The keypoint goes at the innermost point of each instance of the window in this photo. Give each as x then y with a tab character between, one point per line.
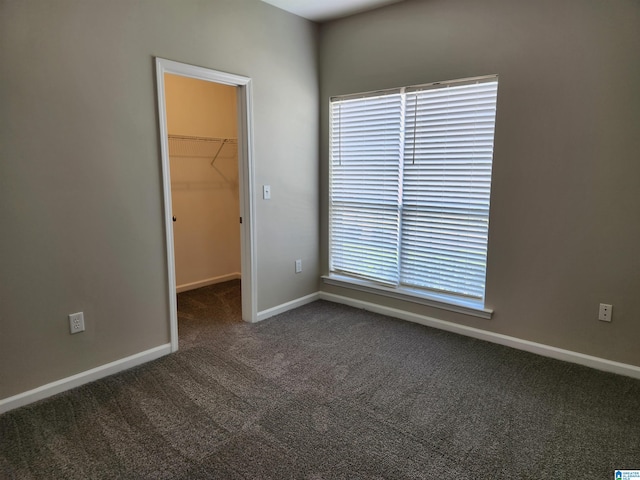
410	183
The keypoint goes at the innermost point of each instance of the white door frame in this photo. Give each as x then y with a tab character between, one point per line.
245	167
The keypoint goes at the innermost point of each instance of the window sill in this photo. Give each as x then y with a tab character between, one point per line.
431	299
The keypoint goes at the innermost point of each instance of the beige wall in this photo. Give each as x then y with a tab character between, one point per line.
205	198
564	226
80	171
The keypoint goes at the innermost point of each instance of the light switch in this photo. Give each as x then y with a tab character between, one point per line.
266	192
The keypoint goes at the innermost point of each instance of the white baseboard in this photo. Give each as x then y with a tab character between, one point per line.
208	281
68	383
82	378
517	343
270	312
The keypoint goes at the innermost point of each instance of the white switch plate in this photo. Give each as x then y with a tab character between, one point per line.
298	266
76	322
605	312
266	192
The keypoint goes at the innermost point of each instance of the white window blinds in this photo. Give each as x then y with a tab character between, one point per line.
447	181
410	186
366	143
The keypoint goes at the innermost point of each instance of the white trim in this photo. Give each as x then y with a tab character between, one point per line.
285	307
249	257
97	373
245	167
513	342
168	221
185	287
431	299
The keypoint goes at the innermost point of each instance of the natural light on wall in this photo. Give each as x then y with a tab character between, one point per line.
410	183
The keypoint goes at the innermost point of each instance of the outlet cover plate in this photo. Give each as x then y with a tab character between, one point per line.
76	322
605	312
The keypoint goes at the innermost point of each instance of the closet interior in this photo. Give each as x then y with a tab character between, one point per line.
203	154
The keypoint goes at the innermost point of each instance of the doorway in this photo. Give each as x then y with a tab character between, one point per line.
203	156
240	145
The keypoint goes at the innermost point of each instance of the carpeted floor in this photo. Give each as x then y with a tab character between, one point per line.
328	392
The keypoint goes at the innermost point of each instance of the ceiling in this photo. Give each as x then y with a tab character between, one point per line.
323	10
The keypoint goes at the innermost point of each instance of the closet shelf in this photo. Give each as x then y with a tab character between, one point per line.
201	147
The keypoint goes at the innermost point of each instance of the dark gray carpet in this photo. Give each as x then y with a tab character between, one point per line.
328	392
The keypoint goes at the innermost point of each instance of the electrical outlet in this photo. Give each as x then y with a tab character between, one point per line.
605	312
76	322
298	266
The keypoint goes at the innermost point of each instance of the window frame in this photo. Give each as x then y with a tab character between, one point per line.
445	300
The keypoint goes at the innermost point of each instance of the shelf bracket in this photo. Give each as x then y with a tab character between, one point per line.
222	143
